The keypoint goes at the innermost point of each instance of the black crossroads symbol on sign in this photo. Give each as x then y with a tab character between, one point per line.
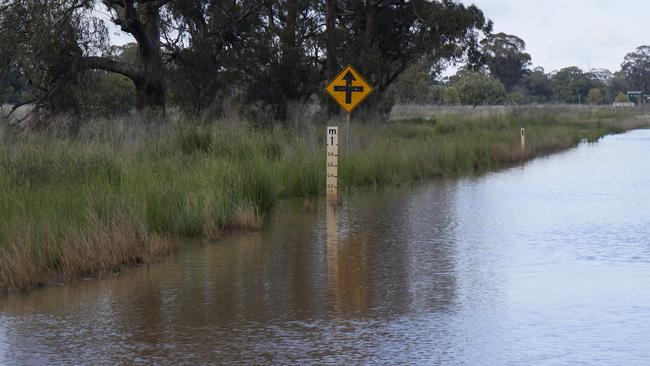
348	88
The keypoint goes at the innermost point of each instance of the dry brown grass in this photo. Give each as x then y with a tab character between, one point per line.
636	121
18	269
246	217
415	111
104	247
99	248
213	225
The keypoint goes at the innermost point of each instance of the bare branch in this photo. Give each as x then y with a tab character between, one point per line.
159	3
15	107
107	64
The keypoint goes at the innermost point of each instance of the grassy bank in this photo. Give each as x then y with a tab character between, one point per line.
123	190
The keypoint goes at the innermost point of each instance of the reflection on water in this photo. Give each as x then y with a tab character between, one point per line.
541	264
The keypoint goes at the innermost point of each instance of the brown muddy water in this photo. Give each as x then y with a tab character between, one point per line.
543	264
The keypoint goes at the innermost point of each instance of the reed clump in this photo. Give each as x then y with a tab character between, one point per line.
122	191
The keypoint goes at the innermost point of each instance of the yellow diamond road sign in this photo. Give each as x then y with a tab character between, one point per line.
348	89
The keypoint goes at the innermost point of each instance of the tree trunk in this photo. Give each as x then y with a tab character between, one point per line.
330	22
290	63
142	21
150	85
149	93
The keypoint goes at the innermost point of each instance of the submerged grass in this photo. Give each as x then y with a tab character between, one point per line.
118	195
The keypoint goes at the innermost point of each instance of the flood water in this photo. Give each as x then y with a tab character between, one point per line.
542	264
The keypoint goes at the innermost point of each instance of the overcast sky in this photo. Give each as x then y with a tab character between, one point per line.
559	33
584	33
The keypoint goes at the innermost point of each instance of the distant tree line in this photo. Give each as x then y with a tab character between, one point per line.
501	72
262	56
199	55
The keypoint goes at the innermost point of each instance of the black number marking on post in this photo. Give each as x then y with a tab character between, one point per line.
332	161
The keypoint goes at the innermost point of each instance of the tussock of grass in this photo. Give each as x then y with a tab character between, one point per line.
117	194
246	217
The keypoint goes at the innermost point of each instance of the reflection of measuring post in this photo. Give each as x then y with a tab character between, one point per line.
332	161
523	139
332	253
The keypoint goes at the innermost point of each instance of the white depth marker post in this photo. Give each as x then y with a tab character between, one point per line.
332	162
523	139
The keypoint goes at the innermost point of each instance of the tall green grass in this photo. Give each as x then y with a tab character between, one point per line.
121	193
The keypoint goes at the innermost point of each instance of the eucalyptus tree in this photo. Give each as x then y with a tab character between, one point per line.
570	85
600	74
599	79
209	44
538	85
384	37
55	41
286	63
478	89
619	83
45	40
265	52
506	58
636	67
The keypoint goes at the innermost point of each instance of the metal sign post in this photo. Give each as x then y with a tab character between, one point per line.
348	89
347	136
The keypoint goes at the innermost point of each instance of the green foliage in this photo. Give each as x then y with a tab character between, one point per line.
44	44
570	85
382	41
12	85
108	94
516	98
619	83
436	94
413	86
451	96
268	57
636	67
478	89
595	96
506	58
538	85
621	98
